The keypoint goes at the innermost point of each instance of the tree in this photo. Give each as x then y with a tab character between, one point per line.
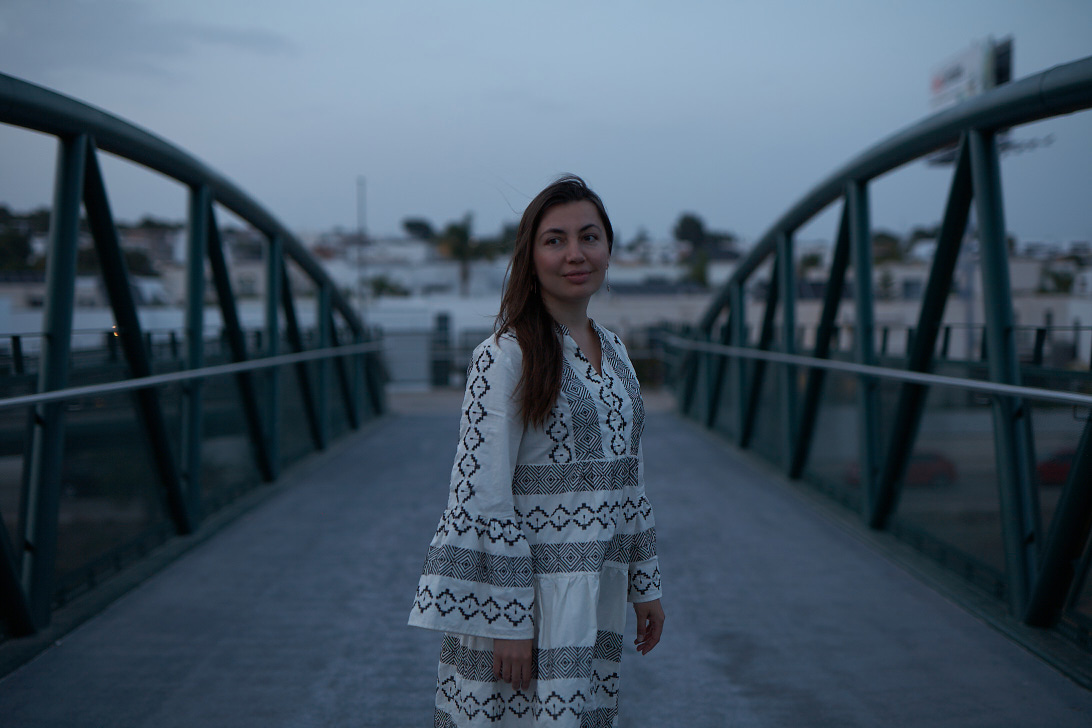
691	229
150	223
39	220
419	228
807	262
456	240
14	250
886	247
698	268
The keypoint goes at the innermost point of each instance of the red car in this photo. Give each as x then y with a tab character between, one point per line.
1055	469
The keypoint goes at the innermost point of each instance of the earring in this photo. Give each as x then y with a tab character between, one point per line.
608	286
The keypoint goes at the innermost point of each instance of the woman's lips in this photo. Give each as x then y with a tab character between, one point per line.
579	277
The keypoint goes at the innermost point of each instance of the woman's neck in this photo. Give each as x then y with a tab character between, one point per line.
574	318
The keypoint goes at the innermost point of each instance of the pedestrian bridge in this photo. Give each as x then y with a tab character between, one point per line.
294	614
224	523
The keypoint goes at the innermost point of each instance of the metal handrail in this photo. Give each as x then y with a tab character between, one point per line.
898	375
33	107
126	385
1059	90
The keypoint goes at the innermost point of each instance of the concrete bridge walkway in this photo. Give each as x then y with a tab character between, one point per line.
294	615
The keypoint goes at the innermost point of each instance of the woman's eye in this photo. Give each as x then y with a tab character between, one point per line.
590	238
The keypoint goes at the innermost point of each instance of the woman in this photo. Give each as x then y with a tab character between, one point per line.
547	532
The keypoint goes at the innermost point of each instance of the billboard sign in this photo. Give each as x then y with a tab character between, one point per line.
959	78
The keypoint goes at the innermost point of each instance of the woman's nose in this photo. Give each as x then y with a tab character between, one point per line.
573	252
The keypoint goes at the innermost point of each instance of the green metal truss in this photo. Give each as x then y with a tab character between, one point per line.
1043	566
27	560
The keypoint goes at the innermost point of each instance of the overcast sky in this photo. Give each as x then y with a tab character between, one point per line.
731	110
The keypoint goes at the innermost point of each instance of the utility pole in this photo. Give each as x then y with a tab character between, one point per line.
360	210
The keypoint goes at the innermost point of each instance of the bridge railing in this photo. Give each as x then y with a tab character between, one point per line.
107	451
986	464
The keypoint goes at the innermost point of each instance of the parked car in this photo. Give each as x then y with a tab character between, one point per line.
926	468
1055	469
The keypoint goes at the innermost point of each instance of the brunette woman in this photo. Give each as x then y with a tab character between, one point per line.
547	532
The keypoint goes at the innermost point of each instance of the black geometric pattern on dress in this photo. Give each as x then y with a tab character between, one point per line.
589	556
599	718
631	509
616	422
473	565
608	646
568	558
467	463
584	515
469	664
641	582
585	417
514	612
558	478
605	684
443	720
637	547
458	520
495	707
633	389
558	431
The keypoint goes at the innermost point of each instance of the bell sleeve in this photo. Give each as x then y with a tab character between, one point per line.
478	577
644	562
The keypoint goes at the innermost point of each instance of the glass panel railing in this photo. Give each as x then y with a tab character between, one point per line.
111	493
949	505
832	461
727	421
769	434
1058	428
228	464
1080	605
295	429
14	443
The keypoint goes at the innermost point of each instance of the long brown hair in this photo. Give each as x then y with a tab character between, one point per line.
522	310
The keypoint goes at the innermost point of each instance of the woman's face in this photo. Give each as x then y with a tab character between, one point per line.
571	253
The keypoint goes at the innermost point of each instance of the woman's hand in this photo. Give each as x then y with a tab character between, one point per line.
650	625
512	662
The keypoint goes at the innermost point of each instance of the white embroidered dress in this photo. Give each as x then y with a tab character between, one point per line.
547	535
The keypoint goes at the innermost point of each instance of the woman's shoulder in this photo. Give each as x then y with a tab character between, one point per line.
503	349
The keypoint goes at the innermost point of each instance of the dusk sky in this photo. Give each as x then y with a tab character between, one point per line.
731	110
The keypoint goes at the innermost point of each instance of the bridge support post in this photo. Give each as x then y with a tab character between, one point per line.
868	419
193	390
274	267
832	297
237	344
912	396
758	366
1011	418
719	366
303	375
787	372
115	277
738	332
322	384
42	487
